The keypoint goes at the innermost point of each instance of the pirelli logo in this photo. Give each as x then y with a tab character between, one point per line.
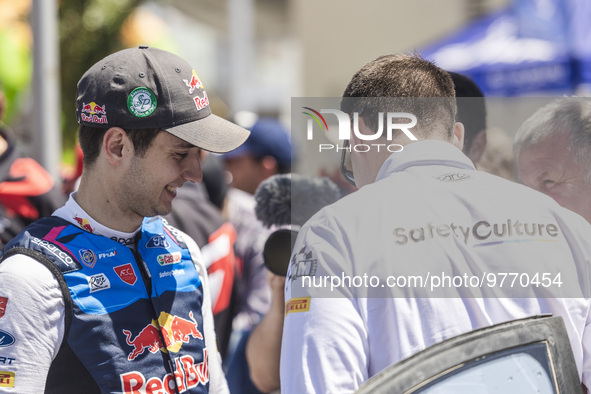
6	379
297	305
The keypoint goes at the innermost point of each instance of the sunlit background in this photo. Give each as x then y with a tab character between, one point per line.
255	55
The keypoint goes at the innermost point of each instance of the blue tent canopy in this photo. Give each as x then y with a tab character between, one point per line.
506	56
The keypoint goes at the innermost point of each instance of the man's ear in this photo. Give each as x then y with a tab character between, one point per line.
458	136
116	145
270	166
363	129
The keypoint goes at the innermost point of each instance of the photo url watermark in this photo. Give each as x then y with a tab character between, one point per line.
436	281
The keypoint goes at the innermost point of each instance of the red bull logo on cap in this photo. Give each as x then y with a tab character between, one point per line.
193	83
97	113
201	102
93	108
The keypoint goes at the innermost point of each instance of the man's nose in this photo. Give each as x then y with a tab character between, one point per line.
192	166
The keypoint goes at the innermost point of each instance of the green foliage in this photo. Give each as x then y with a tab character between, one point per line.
16	68
89	31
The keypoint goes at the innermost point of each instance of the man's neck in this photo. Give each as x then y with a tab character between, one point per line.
99	202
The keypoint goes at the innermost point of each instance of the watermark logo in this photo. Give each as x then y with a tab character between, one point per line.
317	117
395	121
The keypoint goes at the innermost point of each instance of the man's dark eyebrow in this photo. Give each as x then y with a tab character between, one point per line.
183	145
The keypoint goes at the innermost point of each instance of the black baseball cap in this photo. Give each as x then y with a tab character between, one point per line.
147	87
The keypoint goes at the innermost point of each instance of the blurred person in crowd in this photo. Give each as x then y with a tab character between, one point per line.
266	152
105	295
215	181
489	150
553	153
27	191
422	209
498	156
283	203
263	347
71	176
472	114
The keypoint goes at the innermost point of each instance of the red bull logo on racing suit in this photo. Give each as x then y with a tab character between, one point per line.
187	375
84	224
168	334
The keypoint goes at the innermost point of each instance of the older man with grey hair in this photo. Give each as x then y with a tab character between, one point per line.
553	153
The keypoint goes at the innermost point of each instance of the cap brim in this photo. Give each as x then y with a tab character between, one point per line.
211	133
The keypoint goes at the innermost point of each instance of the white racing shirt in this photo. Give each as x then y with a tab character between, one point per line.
431	250
32	307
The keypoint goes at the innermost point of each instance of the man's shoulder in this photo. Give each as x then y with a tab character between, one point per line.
39	228
467	193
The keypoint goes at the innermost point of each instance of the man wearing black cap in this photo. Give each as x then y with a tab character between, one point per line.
105	296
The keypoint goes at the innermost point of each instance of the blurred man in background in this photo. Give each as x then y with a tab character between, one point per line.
266	152
553	153
488	148
27	191
472	114
283	203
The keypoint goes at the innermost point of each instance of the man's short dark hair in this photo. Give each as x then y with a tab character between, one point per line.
91	141
471	107
419	86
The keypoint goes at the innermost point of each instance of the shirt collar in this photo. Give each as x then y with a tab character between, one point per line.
425	153
75	214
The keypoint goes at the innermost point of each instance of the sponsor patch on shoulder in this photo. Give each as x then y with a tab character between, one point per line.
126	273
88	257
6	339
302	263
158	241
7	360
98	282
7	379
170	258
301	304
452	177
3	302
